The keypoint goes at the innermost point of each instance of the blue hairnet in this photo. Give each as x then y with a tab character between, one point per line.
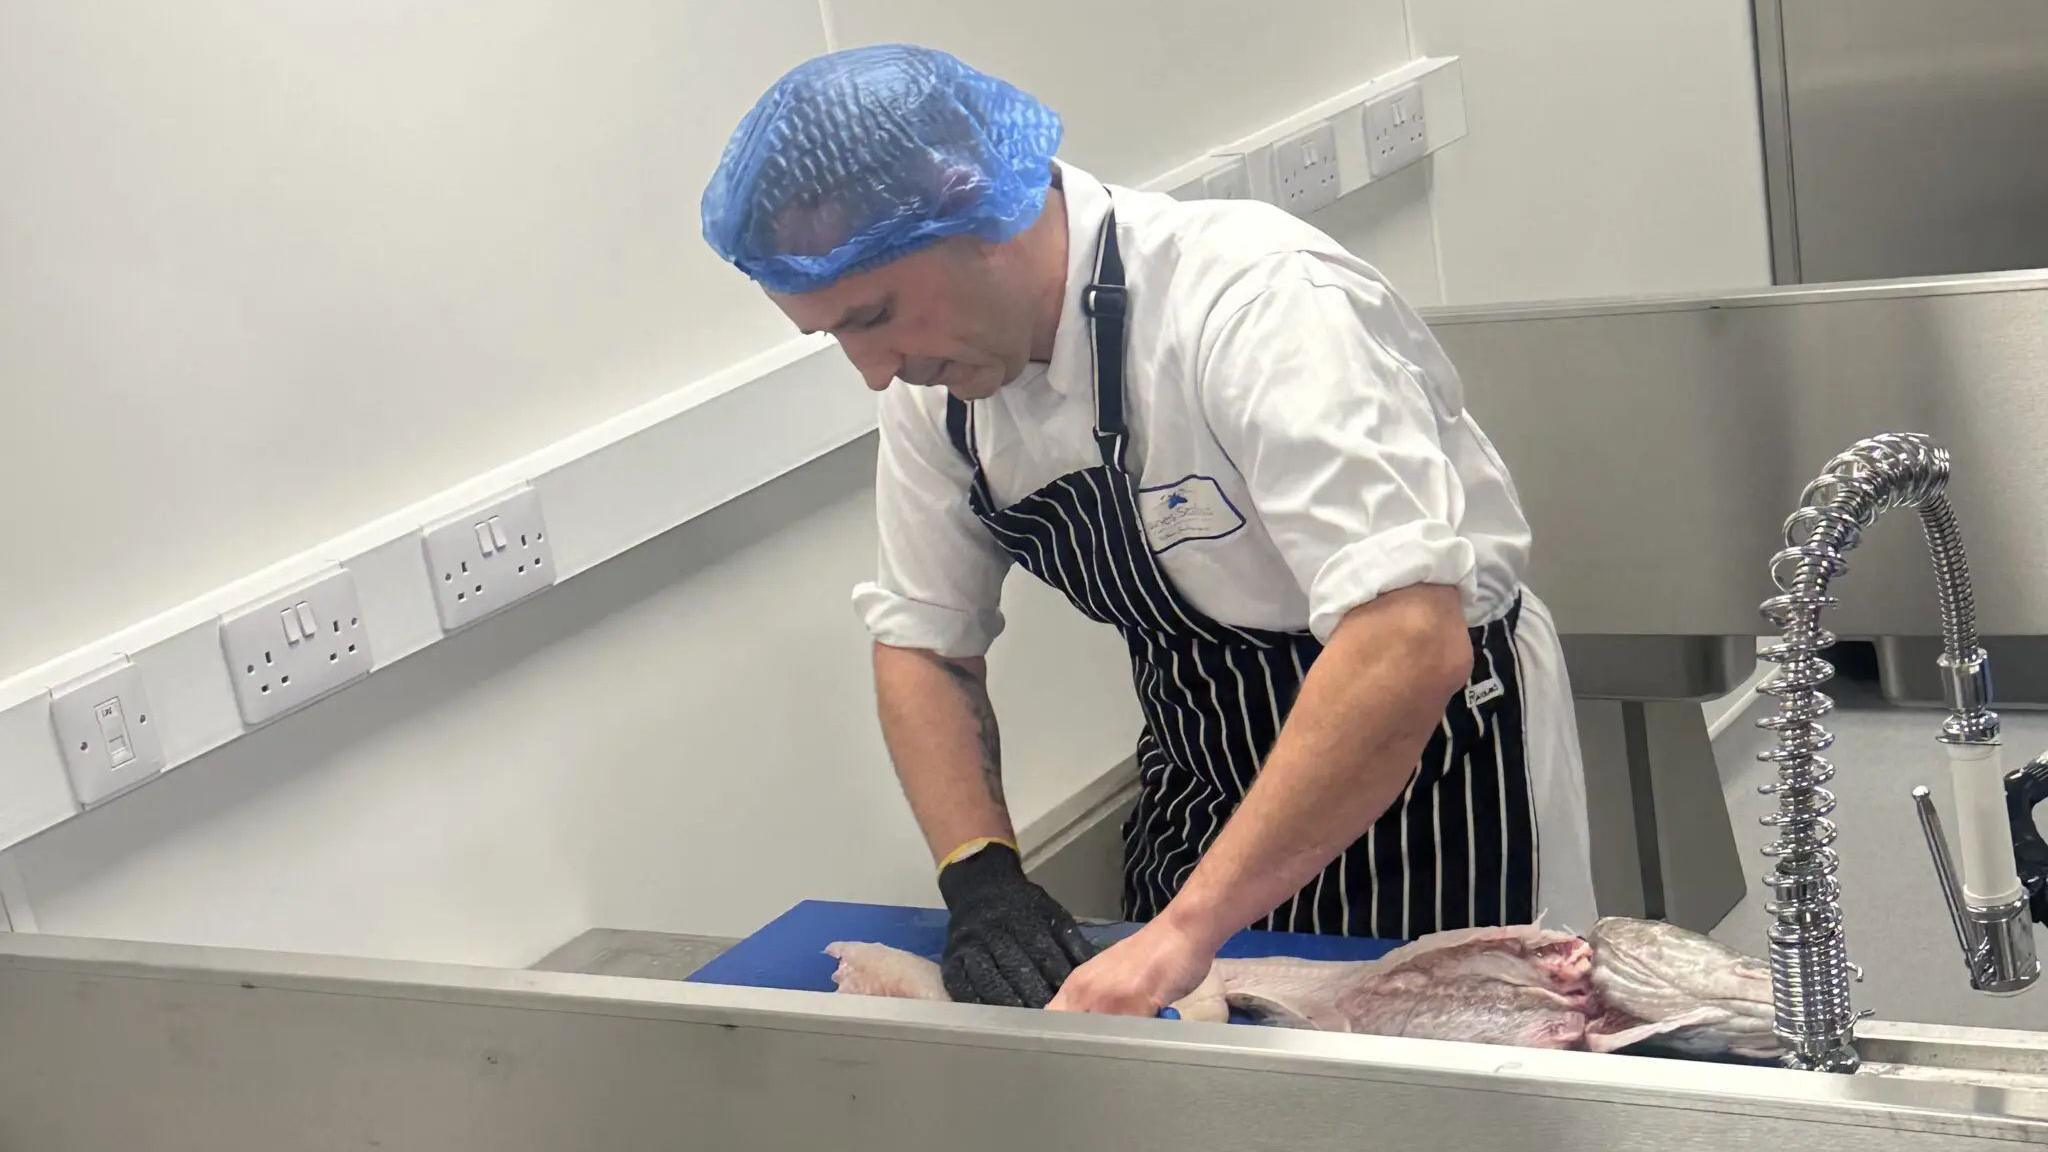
856	158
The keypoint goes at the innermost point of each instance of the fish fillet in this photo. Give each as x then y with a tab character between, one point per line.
1631	985
879	970
1521	985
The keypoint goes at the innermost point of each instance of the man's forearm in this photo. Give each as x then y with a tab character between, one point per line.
1365	713
942	735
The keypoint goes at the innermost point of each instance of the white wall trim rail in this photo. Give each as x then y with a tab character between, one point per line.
602	491
1439	77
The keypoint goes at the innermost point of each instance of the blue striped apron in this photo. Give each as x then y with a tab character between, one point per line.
1457	849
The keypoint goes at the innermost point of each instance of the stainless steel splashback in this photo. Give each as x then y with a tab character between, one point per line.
1905	137
1658	444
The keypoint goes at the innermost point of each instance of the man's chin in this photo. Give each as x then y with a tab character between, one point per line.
979	387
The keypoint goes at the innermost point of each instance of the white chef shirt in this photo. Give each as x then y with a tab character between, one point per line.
1274	381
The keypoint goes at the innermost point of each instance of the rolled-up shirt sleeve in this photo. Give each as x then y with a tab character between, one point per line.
939	574
1337	436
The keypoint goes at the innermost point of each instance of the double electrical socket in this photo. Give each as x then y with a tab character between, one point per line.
488	558
1305	170
1396	134
296	647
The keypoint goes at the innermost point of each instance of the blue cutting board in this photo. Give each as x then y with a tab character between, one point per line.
789	952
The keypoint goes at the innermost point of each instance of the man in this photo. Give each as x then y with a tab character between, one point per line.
1217	431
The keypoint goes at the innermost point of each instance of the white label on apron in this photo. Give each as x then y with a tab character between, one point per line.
1193	508
1488	689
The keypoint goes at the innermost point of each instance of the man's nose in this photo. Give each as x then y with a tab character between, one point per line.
877	368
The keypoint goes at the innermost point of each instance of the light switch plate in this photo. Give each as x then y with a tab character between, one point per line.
1229	180
109	736
488	558
1396	133
295	647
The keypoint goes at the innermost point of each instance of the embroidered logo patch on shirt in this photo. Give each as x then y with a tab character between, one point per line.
1192	508
1486	690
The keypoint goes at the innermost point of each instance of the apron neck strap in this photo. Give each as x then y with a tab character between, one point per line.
960	429
1107	306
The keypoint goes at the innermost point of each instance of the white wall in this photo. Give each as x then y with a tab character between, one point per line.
472	229
1390	223
1146	85
269	270
1614	149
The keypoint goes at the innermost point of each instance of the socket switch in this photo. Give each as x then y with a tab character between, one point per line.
107	732
288	651
488	558
1305	170
1396	132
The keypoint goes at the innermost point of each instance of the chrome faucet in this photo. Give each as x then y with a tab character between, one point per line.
1988	904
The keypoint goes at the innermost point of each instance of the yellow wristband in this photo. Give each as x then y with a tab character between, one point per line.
973	846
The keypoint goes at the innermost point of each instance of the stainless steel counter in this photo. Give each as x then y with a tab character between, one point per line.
113	1045
644	955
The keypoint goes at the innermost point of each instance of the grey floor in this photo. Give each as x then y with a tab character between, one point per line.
1897	928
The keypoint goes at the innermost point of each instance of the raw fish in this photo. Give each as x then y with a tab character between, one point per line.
1629	985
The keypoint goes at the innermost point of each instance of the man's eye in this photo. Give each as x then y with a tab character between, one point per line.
877	320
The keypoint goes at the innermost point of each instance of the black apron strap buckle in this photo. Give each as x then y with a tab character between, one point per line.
1105	301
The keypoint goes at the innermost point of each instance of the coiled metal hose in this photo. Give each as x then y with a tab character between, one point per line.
1810	970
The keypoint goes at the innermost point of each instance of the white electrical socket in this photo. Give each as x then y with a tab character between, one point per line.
489	557
295	647
107	732
1305	170
1396	133
1230	180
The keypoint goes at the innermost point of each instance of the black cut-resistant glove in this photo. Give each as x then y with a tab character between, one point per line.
1007	940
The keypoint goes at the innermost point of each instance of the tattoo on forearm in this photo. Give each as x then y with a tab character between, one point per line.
984	713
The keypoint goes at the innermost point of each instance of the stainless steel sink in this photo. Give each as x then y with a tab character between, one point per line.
1983	1057
1620	667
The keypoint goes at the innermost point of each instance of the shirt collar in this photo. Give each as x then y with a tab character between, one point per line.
1072	368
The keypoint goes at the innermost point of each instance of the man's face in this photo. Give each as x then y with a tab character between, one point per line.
945	315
